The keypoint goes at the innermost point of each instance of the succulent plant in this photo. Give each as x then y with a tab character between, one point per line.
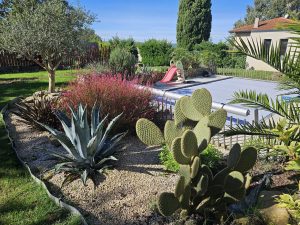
89	149
190	113
38	109
197	190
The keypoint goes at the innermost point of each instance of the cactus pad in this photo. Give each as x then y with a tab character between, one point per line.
248	181
247	160
179	190
167	204
235	196
189	146
195	167
184	199
202	185
217	121
149	133
171	132
202	101
177	153
179	117
234	156
234	181
189	110
219	178
202	204
203	134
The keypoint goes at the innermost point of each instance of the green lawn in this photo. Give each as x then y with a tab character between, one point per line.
22	201
251	74
19	84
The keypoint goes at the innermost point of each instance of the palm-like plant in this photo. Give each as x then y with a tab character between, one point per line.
286	131
289	64
89	149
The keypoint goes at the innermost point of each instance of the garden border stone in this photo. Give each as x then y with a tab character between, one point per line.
57	201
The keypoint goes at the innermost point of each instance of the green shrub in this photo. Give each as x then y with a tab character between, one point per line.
221	53
97	67
210	156
122	61
167	159
208	59
188	58
128	44
156	52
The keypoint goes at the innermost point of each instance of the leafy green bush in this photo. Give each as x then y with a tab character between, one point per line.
208	60
128	44
122	61
97	67
167	159
188	58
210	157
222	55
156	52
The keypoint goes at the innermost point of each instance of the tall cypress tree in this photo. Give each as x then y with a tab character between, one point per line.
194	22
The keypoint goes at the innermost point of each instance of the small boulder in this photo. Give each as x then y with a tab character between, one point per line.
253	220
269	209
275	215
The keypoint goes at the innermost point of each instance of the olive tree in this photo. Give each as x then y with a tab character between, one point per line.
45	32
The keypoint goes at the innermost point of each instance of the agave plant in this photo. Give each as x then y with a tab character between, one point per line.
89	149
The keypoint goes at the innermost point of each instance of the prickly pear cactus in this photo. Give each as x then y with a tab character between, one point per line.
190	113
187	136
197	189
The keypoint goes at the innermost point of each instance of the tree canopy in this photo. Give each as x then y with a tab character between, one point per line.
194	22
45	32
269	9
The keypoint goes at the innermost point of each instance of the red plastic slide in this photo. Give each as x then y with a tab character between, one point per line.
169	75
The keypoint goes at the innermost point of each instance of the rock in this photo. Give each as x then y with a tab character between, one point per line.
269	209
253	220
275	215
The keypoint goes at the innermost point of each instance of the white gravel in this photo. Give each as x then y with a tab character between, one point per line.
126	196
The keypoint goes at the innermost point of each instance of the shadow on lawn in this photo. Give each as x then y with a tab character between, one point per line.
20	88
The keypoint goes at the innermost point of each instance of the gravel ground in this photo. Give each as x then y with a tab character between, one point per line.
127	194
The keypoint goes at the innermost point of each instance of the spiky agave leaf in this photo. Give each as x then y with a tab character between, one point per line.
89	148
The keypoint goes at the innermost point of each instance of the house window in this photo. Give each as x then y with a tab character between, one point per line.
267	45
283	46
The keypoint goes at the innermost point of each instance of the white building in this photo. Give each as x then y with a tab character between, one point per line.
268	32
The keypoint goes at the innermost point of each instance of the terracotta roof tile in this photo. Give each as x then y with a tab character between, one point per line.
263	25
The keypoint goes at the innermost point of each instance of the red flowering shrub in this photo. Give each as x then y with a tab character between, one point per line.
114	96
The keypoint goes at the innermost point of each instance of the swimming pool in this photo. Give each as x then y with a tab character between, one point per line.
222	91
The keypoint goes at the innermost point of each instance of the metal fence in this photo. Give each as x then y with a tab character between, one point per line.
94	53
165	102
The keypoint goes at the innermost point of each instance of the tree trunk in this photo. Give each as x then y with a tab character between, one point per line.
51	81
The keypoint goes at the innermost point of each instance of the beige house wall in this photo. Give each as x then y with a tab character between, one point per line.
274	35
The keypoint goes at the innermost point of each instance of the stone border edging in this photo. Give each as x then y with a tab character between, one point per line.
57	201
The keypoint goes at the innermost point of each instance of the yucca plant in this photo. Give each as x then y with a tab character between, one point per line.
89	149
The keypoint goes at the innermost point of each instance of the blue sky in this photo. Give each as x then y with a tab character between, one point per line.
145	19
